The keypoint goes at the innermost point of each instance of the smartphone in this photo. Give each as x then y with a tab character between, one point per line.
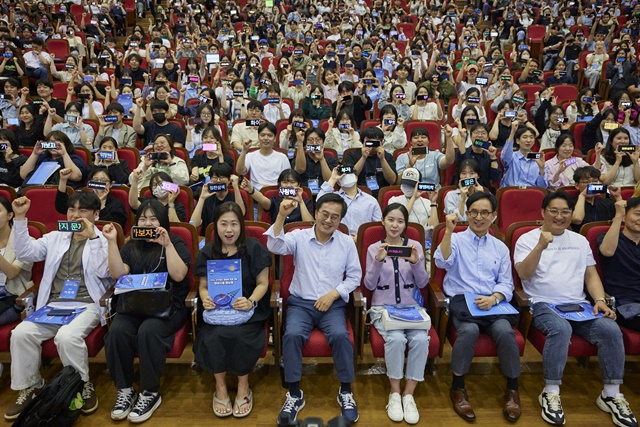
70	226
299	125
212	58
125	81
71	119
482	81
88	79
562	120
610	126
13	122
273	100
473	121
562	73
570	161
4	146
106	155
7	55
343	126
210	147
345	169
253	123
423	186
569	308
469	182
587	99
97	185
524	47
143	233
371	143
110	119
314	148
505	78
162	155
287	192
518	100
399	251
298	82
61	312
536	72
389	122
630	148
625	104
482	144
596	189
422	97
216	187
193	79
534	156
169	186
400	96
510	113
473	100
48	145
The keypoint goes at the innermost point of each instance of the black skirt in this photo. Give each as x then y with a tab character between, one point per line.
231	349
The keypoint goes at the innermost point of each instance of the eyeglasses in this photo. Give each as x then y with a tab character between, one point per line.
328	216
555	212
314	140
482	214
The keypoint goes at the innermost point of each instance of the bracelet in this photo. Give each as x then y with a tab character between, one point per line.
601	299
434	205
171	206
253	190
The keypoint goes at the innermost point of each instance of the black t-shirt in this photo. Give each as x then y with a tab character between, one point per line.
151	129
553	40
602	209
209	208
372	166
181	212
254	258
203	163
180	289
314	169
621	278
294	216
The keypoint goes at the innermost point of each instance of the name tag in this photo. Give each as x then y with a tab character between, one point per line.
372	183
70	289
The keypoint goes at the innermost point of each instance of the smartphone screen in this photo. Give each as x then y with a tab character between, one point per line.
596	189
143	233
287	192
399	251
422	186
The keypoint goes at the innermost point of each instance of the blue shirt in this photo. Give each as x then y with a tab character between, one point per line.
319	268
362	208
518	170
477	264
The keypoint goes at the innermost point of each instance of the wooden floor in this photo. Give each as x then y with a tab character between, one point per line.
187	394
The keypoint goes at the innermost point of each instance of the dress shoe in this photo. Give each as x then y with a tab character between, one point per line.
512	409
461	404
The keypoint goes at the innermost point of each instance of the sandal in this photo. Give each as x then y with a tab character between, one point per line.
224	402
248	400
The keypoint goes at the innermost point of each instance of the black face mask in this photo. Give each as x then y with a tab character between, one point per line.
159	117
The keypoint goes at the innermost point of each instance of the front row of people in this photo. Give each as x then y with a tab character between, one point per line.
556	266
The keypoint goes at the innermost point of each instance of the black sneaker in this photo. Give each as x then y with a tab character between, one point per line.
145	406
290	409
619	409
124	404
551	408
348	406
24	398
90	399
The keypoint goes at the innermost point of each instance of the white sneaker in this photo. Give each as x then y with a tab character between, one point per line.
394	407
411	415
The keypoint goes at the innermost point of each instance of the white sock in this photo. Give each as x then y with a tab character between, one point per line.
552	388
610	390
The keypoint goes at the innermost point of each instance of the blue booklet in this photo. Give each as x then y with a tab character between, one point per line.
379	75
42	316
136	282
577	316
43	173
126	100
224	278
502	308
408	314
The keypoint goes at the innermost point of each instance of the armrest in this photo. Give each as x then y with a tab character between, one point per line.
275	301
439	298
521	299
358	300
28	295
191	300
106	297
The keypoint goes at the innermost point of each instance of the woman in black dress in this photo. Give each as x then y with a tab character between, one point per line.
234	349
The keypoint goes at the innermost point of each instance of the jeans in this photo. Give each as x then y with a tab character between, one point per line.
500	332
603	332
395	343
40	73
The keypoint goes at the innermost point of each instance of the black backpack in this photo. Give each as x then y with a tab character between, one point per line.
57	405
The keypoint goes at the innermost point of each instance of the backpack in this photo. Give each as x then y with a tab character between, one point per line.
57	405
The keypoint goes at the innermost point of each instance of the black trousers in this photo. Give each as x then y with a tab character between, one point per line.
150	338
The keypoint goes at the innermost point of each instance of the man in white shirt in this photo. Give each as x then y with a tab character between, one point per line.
555	266
37	62
275	109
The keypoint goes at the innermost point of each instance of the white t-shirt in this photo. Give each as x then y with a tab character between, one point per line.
266	169
559	277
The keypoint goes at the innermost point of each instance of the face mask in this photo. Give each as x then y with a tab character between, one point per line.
349	180
407	190
159	117
159	193
525	57
203	21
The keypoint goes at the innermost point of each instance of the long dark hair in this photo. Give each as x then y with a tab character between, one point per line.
146	255
7	205
610	153
216	243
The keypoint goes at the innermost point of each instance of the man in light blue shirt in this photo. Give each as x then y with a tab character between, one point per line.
327	270
518	170
478	263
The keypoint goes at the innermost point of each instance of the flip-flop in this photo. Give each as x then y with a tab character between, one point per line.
224	402
248	400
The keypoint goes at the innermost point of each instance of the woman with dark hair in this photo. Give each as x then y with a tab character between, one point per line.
64	154
289	179
596	131
10	159
150	337
396	96
455	201
408	274
31	127
393	128
620	168
235	348
555	125
177	212
81	134
15	275
559	170
87	96
117	169
291	137
204	118
12	66
311	162
584	108
344	135
518	169
163	158
201	163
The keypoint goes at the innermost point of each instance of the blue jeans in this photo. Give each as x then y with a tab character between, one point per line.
39	73
302	318
395	343
603	332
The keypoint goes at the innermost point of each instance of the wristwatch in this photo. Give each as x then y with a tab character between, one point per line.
253	302
601	299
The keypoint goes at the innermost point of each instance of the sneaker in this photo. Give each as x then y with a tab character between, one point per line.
145	406
394	408
289	412
90	399
124	404
348	406
619	409
551	408
411	415
24	398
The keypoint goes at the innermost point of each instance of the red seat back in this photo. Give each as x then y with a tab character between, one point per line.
43	199
519	204
433	127
515	231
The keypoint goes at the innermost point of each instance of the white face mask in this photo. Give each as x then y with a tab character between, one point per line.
348	181
407	190
159	192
